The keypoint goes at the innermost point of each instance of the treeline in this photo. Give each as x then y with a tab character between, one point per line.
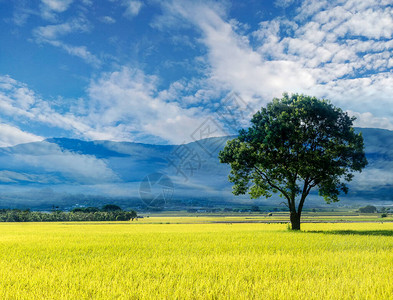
78	214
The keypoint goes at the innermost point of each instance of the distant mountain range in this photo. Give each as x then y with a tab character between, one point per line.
69	172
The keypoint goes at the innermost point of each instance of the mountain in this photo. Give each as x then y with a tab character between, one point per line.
70	172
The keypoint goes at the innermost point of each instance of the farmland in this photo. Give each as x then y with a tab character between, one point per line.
195	259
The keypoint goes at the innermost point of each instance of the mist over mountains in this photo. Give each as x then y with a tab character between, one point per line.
69	172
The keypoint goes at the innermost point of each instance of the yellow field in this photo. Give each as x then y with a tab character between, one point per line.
195	261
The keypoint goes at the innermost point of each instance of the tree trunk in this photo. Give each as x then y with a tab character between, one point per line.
295	220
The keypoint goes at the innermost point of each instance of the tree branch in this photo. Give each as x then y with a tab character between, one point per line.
306	190
264	176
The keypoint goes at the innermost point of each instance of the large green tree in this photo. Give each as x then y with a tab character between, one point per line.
295	144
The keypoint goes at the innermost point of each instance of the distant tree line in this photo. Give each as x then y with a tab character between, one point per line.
372	209
368	209
108	212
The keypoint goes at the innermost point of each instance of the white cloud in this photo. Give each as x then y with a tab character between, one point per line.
370	94
369	18
11	136
78	51
133	7
126	102
57	5
317	52
373	178
21	16
18	102
15	98
54	32
107	20
367	119
49	8
234	64
51	35
120	106
340	50
16	177
283	3
61	165
87	2
81	168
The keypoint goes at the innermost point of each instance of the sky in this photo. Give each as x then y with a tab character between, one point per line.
156	71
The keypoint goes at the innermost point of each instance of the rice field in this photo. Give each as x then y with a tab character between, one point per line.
195	260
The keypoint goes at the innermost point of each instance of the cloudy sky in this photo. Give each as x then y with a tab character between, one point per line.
153	71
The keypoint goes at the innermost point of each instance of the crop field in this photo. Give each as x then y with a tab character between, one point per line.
159	259
276	217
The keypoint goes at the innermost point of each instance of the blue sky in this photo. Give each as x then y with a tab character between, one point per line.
154	71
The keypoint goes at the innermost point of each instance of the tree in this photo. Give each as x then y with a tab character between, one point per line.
85	209
111	207
295	144
368	209
255	208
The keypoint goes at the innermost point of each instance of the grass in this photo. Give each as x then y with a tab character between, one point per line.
195	260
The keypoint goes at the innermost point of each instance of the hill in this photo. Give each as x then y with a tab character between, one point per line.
70	172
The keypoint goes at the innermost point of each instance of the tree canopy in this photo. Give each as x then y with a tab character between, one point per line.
111	207
295	144
368	209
